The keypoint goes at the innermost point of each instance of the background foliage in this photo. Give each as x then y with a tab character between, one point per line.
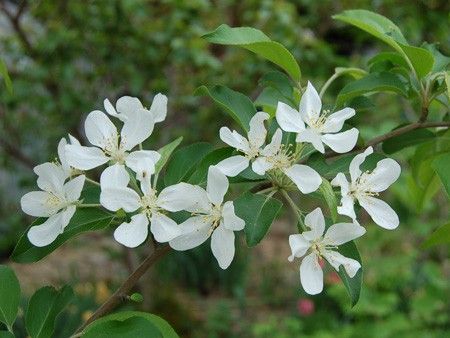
64	57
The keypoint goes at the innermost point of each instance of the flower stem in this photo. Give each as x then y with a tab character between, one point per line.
267	190
89	206
295	209
92	181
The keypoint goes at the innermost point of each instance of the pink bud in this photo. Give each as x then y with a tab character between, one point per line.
333	278
305	307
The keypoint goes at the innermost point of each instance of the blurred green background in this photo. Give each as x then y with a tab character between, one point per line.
65	57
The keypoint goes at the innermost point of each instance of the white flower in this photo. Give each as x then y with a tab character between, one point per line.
274	156
108	144
115	194
321	129
250	147
365	185
211	217
69	171
57	200
323	246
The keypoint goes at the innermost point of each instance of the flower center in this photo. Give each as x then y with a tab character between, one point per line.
282	159
252	153
361	188
148	203
320	121
214	217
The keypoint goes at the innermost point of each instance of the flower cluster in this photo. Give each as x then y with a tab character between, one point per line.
129	183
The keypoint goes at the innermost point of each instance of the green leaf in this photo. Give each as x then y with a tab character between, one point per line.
441	61
5	75
130	324
165	153
278	81
237	105
447	83
330	197
421	59
6	334
356	73
184	161
9	296
257	42
441	165
372	83
352	285
440	236
201	171
86	219
408	139
43	308
394	58
258	211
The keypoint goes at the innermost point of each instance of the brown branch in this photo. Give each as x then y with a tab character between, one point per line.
121	293
391	134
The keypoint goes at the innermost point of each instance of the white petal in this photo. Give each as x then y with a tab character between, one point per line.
305	178
386	173
67	215
310	104
62	157
217	185
109	108
261	165
128	105
35	204
195	231
257	133
234	139
51	177
311	275
341	233
85	158
274	146
222	246
335	121
341	142
311	136
230	220
134	233
316	222
184	196
354	169
163	228
136	129
159	107
73	188
45	233
381	213
100	131
233	166
115	198
114	176
347	207
288	118
143	162
336	259
299	245
341	181
73	140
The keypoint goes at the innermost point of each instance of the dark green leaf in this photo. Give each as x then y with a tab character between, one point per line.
257	42
237	105
87	219
165	153
9	296
201	171
278	81
440	236
6	334
130	324
372	83
43	308
184	161
352	285
408	139
392	57
441	165
258	211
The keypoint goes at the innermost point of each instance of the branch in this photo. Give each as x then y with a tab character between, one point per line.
391	134
121	293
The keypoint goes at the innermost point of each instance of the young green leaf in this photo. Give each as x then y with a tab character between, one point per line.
440	236
330	197
130	324
9	296
184	160
441	165
237	105
258	211
87	219
257	42
43	308
165	153
421	59
352	285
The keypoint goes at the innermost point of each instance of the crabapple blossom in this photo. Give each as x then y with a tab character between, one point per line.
320	244
363	186
69	171
320	129
211	217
